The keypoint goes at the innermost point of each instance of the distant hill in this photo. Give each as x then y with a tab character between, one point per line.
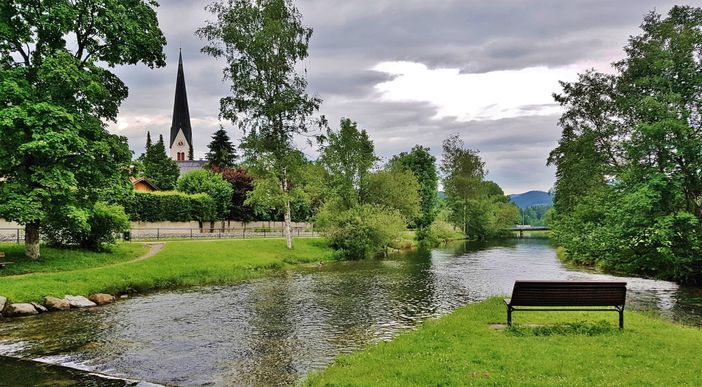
532	198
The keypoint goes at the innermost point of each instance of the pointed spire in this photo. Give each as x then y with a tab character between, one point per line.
181	113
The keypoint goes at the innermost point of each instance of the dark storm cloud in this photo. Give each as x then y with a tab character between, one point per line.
351	37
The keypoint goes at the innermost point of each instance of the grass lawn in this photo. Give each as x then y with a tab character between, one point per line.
53	259
574	349
178	264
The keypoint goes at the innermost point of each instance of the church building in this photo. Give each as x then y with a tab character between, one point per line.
181	131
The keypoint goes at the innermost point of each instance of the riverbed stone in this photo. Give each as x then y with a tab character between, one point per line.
53	303
22	309
39	307
102	299
3	303
79	302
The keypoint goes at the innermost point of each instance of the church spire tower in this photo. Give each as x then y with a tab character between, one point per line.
181	131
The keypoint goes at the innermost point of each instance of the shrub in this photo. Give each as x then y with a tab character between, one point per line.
213	184
92	229
170	206
441	231
364	230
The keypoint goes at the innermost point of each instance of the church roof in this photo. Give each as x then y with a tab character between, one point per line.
181	114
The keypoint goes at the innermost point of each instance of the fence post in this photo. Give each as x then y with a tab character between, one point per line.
243	233
18	239
158	233
191	233
264	231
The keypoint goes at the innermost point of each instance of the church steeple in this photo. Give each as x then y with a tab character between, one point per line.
181	131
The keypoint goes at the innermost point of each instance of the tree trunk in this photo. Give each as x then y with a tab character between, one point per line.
288	225
31	240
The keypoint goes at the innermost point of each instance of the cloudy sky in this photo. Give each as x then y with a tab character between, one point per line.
413	72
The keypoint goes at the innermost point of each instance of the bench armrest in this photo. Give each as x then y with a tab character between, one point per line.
507	301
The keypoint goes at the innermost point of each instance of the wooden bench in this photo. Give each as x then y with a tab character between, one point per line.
576	295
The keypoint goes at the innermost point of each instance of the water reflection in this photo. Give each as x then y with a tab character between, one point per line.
274	331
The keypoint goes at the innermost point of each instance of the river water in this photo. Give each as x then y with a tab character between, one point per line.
275	330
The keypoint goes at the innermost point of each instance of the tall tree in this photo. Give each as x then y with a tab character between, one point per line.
158	167
629	180
148	140
263	42
55	94
222	153
347	155
423	165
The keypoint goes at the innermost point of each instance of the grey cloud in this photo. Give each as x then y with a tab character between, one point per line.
350	37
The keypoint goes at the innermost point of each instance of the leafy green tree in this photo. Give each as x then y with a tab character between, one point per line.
160	169
242	183
212	184
347	155
56	92
423	165
479	207
628	189
263	41
222	153
395	189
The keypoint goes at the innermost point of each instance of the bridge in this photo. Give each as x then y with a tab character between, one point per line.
521	229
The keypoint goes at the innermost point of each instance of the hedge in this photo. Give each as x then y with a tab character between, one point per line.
170	206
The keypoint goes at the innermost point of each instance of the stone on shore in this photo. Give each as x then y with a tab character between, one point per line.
40	308
17	310
79	302
3	303
53	303
102	299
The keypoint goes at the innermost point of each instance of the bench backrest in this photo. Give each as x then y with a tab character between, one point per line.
568	293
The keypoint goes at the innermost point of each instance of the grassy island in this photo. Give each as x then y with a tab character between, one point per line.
182	263
574	349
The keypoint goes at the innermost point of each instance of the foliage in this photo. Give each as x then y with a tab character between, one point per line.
534	215
179	264
460	349
156	166
222	153
628	189
423	165
441	231
479	207
262	42
364	230
170	206
347	156
212	184
242	184
397	189
93	229
55	98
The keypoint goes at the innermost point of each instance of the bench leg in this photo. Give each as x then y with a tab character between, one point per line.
509	316
621	318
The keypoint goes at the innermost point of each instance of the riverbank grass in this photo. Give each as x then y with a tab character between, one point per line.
178	264
574	349
65	259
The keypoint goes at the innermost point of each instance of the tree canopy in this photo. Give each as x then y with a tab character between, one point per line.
423	165
629	180
222	153
262	42
156	166
56	157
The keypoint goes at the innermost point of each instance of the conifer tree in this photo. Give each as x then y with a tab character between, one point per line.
148	140
160	169
222	153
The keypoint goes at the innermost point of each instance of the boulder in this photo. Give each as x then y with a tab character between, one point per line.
102	299
3	303
79	302
16	310
40	308
53	303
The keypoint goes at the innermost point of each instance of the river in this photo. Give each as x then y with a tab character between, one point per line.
275	330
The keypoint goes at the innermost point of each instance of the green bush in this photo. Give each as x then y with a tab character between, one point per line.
92	229
170	206
364	230
441	231
213	184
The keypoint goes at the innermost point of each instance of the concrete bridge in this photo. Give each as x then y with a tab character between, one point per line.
521	229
